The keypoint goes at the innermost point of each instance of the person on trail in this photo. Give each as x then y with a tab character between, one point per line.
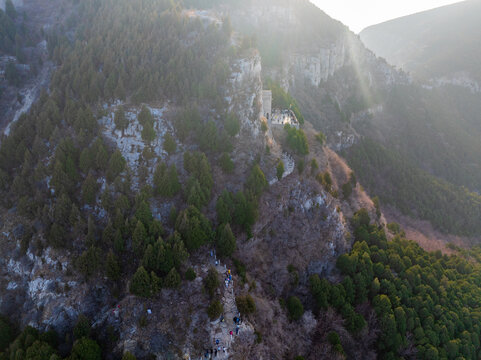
228	271
231	334
223	349
222	318
215	352
237	330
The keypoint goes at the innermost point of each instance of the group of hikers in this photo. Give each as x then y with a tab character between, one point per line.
213	352
219	349
228	279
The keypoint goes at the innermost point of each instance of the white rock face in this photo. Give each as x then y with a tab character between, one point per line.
289	165
38	289
319	200
461	79
244	93
318	67
130	143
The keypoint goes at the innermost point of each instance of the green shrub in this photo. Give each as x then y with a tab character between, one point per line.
245	304
86	349
112	267
6	333
169	144
215	309
82	327
140	283
280	169
190	274
211	282
333	338
295	308
226	242
226	163
172	280
297	140
264	126
321	138
128	356
194	227
232	125
256	182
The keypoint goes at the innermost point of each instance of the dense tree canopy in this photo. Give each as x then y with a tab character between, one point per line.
297	140
449	208
428	299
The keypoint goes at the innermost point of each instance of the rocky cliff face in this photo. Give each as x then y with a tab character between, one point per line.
37	286
299	224
321	65
16	3
335	59
319	61
244	94
461	79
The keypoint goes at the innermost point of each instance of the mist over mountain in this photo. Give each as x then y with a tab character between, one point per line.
442	43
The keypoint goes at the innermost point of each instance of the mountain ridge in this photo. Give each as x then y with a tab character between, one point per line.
427	43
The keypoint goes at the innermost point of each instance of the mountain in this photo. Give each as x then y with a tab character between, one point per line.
181	189
351	95
439	45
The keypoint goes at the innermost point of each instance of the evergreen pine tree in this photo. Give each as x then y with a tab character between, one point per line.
112	266
140	284
226	242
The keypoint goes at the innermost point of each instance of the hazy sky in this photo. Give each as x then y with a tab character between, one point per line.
358	14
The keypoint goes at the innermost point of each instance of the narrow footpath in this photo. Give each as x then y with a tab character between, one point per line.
223	333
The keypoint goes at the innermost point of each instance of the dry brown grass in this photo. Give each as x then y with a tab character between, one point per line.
424	234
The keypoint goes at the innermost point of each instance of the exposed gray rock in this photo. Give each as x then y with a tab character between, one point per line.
19	231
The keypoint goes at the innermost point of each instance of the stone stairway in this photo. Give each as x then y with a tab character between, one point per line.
221	330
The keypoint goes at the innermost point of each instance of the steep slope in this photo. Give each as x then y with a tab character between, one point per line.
440	45
117	178
347	92
25	66
147	191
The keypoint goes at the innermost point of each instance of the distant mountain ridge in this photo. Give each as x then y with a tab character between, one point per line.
443	43
351	95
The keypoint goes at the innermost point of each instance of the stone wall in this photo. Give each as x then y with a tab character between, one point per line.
267	103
